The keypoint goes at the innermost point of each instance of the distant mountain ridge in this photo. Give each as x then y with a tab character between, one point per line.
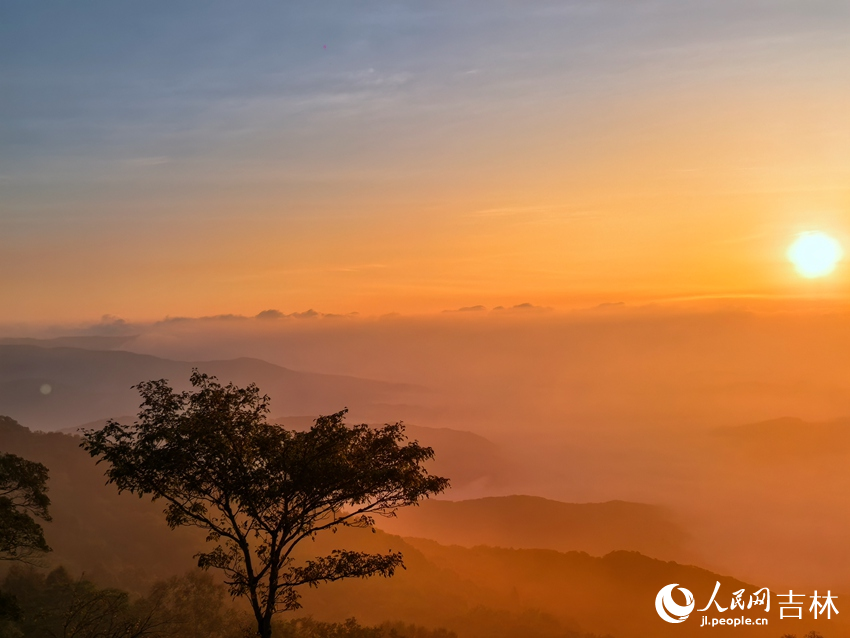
51	388
88	342
778	440
533	522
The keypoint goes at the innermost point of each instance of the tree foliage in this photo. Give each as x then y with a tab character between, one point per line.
196	606
23	496
57	605
259	489
309	628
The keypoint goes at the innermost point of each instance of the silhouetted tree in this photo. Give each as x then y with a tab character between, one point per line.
196	607
259	489
23	495
58	606
309	628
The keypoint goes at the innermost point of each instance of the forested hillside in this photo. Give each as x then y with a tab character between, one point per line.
122	542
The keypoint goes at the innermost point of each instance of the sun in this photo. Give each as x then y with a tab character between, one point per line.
815	254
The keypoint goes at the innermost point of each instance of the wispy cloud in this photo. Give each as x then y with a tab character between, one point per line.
149	161
518	211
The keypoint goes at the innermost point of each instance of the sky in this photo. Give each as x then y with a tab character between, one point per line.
173	159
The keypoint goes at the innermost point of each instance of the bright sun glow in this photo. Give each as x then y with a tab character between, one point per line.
815	254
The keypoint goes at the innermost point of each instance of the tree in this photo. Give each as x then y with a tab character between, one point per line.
23	495
197	607
259	489
57	605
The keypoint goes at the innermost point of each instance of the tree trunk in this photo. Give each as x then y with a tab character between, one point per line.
265	628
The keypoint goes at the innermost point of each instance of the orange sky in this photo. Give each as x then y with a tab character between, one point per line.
612	156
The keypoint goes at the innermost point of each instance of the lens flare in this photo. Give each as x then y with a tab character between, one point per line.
815	254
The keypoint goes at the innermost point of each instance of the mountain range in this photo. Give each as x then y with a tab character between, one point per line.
479	592
52	388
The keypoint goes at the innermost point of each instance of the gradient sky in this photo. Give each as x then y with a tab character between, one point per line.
162	158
